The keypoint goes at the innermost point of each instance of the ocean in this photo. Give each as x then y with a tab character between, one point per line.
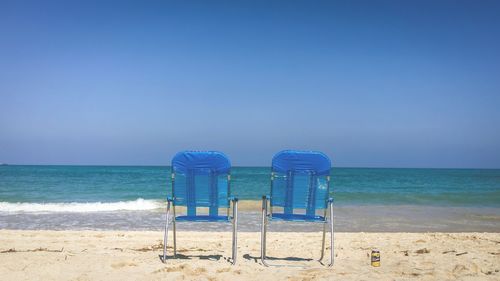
133	197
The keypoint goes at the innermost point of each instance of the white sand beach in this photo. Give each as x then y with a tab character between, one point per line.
134	255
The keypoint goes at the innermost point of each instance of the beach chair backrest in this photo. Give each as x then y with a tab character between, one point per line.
300	181
201	179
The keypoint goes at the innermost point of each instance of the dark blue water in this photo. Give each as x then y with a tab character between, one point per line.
351	186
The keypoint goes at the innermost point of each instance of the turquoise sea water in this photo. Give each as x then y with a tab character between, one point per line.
133	198
351	186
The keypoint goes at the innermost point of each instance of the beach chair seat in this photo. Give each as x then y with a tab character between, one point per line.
300	188
201	180
297	217
203	218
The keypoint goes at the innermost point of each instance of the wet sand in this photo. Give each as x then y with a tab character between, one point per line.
350	218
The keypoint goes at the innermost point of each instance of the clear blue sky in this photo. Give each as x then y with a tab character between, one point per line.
370	83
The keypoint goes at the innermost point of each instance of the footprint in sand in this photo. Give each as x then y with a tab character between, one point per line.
226	269
122	264
185	269
459	268
179	268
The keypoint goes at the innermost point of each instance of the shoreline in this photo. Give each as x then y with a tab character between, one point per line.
361	218
115	255
243	205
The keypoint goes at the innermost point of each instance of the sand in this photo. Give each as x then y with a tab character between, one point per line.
122	255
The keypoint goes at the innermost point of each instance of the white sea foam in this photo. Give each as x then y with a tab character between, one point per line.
77	207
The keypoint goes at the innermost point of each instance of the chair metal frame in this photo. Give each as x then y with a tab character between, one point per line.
266	216
233	219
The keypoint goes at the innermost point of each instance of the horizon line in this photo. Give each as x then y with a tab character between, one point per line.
251	166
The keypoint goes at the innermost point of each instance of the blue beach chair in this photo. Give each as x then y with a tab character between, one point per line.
201	179
300	186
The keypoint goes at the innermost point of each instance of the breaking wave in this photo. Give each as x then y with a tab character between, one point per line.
79	207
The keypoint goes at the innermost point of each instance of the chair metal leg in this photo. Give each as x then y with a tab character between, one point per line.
165	235
175	232
263	233
323	241
175	237
331	235
235	231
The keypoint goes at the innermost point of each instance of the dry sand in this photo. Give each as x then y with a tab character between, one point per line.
121	255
